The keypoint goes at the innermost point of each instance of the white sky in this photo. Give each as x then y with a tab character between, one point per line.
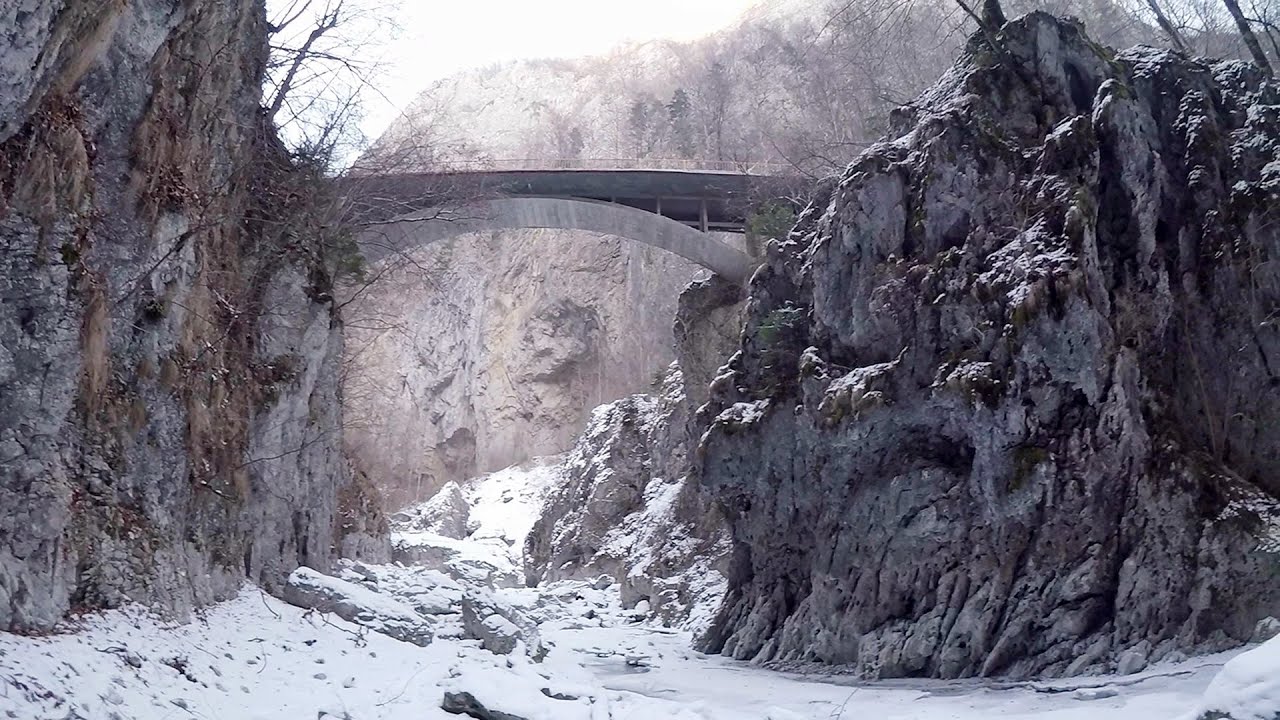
441	37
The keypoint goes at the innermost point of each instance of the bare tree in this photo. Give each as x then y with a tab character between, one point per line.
326	57
1175	37
1250	39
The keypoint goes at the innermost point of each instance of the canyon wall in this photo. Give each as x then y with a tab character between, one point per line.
490	349
169	353
1007	398
628	507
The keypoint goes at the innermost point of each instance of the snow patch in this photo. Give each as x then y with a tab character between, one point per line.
1248	688
1248	502
501	509
743	413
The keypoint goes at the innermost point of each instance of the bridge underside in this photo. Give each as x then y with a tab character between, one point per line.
706	201
413	230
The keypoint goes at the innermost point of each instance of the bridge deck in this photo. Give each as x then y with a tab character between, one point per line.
707	200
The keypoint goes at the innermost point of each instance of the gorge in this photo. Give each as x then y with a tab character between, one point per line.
995	417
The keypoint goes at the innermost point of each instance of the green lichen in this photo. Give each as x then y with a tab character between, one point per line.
777	323
1026	458
70	254
772	220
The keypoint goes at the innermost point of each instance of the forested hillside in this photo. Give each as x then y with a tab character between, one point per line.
797	85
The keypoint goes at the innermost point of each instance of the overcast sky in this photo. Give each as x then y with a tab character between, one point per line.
441	37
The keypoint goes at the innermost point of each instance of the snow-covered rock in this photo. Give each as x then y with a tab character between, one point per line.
445	513
1267	628
1022	406
1247	688
497	634
502	507
312	590
499	627
428	591
483	563
626	510
257	658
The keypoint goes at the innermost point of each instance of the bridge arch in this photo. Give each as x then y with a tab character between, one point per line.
417	229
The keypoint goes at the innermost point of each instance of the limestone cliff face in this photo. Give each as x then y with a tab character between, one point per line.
1008	400
627	506
168	361
627	509
492	349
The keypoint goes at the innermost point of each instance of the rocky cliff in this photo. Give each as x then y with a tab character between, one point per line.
1007	398
169	422
626	506
491	349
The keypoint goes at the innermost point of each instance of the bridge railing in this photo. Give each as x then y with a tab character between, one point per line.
720	166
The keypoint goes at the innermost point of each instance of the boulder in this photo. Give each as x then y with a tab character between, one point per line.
457	560
499	627
1134	659
445	513
355	603
464	703
1267	628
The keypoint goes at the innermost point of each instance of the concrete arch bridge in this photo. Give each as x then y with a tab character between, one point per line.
674	210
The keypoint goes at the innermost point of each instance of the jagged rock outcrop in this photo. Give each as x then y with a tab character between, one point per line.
491	349
708	323
162	435
444	514
627	507
1008	400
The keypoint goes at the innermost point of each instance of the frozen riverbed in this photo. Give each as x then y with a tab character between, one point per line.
255	657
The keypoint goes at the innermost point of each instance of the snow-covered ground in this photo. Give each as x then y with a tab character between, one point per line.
501	509
256	657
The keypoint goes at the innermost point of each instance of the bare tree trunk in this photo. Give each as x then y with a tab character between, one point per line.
1162	20
993	15
328	22
1250	40
983	21
1271	31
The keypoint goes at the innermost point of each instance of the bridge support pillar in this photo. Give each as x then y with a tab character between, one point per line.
659	203
702	215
